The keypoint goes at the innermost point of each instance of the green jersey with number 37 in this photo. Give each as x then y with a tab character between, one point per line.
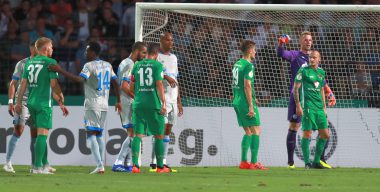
243	69
145	73
38	76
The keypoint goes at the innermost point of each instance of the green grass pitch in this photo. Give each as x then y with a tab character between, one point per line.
230	179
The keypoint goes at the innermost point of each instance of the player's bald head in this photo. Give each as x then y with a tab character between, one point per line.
315	53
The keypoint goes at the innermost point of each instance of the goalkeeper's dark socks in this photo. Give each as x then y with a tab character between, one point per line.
291	145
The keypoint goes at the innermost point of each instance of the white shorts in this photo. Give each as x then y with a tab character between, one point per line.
126	112
171	113
95	120
23	118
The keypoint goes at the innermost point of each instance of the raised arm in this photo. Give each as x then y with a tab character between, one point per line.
248	95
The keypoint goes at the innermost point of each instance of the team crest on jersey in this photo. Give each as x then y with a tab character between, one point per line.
250	74
85	70
320	76
299	76
316	84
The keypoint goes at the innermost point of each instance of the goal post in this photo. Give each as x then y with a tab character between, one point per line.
206	40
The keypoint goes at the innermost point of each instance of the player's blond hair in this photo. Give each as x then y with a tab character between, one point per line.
42	42
304	33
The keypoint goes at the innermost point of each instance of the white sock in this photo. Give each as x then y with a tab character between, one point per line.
123	152
102	146
94	146
166	147
128	158
154	160
11	147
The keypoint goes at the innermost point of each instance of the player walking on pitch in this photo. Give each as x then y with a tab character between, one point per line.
245	106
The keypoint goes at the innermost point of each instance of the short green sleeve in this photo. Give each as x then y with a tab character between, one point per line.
159	72
248	72
298	78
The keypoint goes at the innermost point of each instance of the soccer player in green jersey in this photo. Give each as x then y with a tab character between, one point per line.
313	109
41	83
149	106
246	109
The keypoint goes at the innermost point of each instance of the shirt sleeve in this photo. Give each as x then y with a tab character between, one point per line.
17	75
248	72
25	72
159	73
299	76
85	73
287	55
113	76
53	75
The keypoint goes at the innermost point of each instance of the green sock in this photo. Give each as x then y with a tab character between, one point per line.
319	149
159	150
136	143
40	148
305	143
255	143
245	144
44	158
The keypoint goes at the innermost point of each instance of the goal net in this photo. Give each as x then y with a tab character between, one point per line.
206	41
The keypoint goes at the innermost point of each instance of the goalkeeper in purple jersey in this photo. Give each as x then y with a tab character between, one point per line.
297	59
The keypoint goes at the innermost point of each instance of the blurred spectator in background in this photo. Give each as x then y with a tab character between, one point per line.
109	23
61	11
83	20
41	31
6	17
20	50
361	80
128	20
22	10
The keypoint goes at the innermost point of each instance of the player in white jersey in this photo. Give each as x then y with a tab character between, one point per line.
174	107
20	120
139	50
97	75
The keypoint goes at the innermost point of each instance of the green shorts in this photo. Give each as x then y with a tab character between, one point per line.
314	120
42	117
148	121
244	120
